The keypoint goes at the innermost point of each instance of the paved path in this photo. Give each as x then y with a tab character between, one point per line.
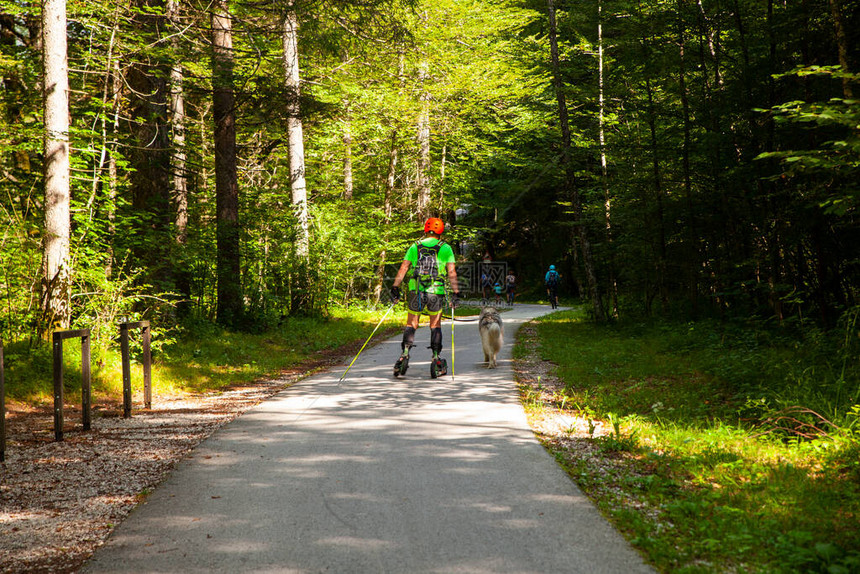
376	475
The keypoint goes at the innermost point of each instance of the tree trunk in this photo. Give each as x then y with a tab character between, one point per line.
712	36
841	46
777	253
392	175
604	171
380	277
423	175
658	194
116	89
295	138
177	168
347	154
442	161
570	177
149	156
56	265
177	121
229	308
692	249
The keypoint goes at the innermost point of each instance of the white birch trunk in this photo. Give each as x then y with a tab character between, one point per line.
56	270
604	172
295	138
177	119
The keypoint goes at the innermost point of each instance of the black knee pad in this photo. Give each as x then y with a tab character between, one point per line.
436	339
408	338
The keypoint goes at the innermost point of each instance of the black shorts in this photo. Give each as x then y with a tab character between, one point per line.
426	303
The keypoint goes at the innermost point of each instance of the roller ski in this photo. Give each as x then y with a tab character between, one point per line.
402	364
438	366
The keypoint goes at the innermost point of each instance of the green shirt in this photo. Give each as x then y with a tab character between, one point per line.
445	256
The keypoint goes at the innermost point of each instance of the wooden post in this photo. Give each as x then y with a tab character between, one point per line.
147	366
84	336
126	371
58	386
2	406
85	381
126	365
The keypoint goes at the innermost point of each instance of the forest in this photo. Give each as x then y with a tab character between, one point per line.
240	162
245	173
243	162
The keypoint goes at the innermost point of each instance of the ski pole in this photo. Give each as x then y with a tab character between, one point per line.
366	342
453	355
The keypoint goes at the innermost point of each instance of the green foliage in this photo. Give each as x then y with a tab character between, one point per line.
617	441
697	226
705	369
104	302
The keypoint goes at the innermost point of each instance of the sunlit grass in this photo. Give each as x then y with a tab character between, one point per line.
205	358
714	493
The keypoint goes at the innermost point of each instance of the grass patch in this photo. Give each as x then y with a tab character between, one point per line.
712	478
201	358
462	311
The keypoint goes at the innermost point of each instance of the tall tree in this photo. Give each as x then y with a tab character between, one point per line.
56	264
422	178
692	250
149	150
604	171
842	46
178	165
177	122
347	152
295	135
571	190
230	304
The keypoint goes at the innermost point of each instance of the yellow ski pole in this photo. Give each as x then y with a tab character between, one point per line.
453	356
366	342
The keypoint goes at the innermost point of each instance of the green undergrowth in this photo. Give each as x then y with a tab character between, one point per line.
462	311
197	358
736	449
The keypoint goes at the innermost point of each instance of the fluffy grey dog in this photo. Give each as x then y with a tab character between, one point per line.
492	334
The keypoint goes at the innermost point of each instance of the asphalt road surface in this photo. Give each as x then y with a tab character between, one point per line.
376	475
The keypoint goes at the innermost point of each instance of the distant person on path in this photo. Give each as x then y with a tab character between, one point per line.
497	288
431	261
486	286
551	280
511	286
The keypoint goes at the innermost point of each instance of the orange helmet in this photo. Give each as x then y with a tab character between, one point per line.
434	225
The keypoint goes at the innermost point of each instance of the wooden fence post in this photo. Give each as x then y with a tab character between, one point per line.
58	386
85	382
126	371
58	336
126	365
2	406
147	366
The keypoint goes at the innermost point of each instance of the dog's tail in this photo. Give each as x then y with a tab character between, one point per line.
496	333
